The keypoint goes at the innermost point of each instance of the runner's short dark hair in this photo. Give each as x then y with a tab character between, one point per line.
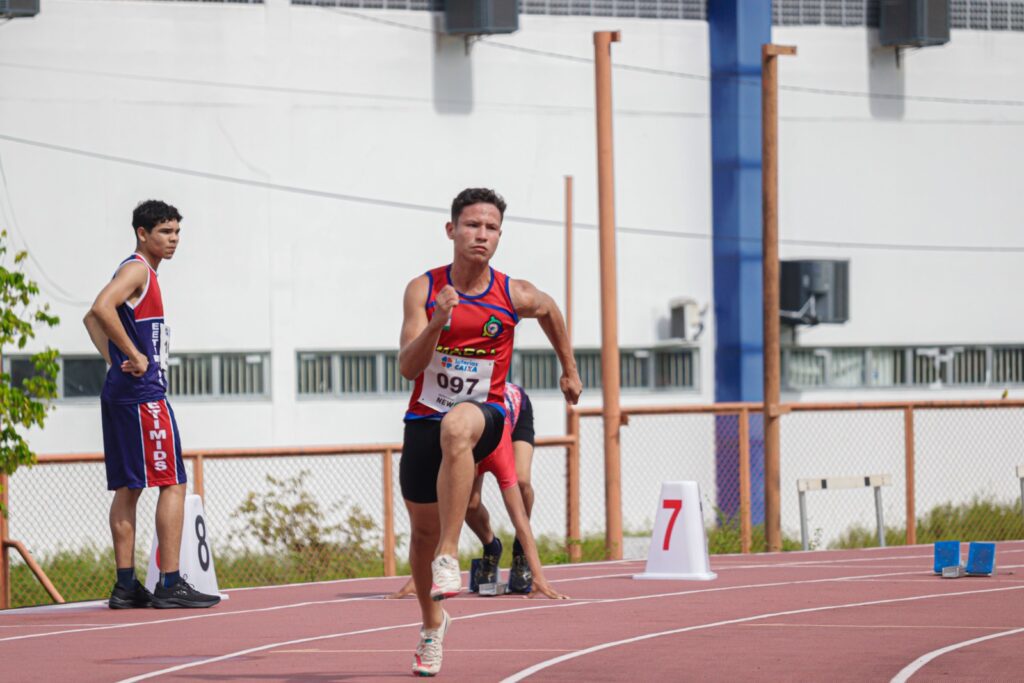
476	195
153	212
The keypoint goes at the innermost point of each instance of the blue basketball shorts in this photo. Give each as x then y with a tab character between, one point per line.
141	445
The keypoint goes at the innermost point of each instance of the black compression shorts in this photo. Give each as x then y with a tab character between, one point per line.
421	452
524	425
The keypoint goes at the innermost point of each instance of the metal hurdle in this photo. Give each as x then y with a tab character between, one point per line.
875	481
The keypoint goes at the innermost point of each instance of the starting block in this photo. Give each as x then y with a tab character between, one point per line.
492	589
474	587
981	559
954	571
947	554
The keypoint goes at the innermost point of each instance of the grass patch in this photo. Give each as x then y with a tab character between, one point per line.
983	519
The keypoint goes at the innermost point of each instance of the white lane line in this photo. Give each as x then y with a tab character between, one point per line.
561	604
406	650
547	568
912	668
628	641
954	627
308	603
157	622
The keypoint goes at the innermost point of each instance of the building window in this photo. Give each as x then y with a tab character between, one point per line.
894	367
82	377
315	373
214	375
342	373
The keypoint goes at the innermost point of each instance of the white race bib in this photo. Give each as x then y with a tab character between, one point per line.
165	348
452	379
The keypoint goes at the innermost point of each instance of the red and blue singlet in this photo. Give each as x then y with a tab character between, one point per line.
474	352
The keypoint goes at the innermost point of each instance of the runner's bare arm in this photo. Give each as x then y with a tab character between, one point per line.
517	513
102	322
420	332
530	302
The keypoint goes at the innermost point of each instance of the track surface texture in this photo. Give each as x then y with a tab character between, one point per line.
854	615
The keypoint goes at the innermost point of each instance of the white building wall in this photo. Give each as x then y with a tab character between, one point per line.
313	152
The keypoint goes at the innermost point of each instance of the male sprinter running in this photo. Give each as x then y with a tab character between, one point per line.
514	452
456	344
141	445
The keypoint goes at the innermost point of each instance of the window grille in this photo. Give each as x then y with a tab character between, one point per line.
970	366
886	367
242	374
1008	365
358	373
393	380
538	370
674	368
634	369
315	374
190	375
588	364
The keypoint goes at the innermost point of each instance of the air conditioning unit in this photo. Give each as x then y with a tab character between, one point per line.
480	17
19	8
913	23
684	321
813	292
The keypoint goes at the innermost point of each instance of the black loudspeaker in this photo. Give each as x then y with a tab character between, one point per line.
481	17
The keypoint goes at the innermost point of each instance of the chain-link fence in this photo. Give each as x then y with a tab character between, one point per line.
280	517
272	517
963	461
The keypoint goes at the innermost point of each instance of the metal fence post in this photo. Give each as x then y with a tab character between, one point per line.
5	560
389	515
878	516
908	449
573	541
803	521
745	522
198	485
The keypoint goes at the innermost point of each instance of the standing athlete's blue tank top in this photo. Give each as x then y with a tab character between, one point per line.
144	324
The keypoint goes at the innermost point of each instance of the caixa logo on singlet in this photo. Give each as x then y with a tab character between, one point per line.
460	364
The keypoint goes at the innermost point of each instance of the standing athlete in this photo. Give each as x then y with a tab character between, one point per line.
141	446
456	344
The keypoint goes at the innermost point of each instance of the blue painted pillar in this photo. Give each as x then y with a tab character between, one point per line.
737	30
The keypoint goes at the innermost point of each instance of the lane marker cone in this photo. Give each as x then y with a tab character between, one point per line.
679	546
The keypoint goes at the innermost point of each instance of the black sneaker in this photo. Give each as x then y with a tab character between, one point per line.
487	569
130	598
520	578
181	594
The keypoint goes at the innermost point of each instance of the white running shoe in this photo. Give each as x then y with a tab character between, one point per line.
447	579
428	652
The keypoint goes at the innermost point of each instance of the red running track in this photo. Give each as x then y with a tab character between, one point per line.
864	615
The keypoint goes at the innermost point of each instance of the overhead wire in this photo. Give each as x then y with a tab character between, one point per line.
529	220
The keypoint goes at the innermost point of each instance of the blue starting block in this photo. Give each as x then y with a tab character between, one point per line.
947	554
981	559
474	570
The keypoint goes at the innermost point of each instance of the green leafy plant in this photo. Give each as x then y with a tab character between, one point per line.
288	525
23	404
